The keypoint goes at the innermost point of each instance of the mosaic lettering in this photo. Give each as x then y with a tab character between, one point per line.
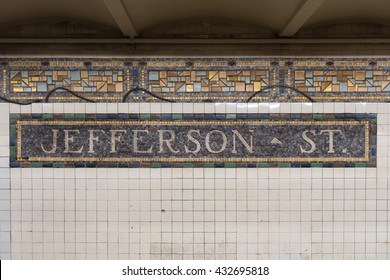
193	141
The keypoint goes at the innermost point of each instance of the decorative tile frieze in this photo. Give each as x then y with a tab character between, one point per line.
198	79
222	140
203	81
74	80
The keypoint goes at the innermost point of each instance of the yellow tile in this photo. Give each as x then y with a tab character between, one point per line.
78	88
350	84
256	86
17	89
119	87
328	88
120	79
212	74
189	88
34	78
62	73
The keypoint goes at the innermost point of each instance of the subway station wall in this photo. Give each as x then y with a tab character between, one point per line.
296	199
189	212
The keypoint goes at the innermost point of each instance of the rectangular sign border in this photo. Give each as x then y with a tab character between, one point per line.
19	123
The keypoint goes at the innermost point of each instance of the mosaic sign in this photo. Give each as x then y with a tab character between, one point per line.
207	140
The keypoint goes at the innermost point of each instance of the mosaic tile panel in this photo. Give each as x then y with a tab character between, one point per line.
198	79
212	81
343	81
167	140
75	80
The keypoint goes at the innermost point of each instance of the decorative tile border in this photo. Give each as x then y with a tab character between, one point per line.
198	79
200	140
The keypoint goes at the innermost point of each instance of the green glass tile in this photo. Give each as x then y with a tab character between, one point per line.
230	165
177	117
12	152
373	121
47	116
231	116
316	164
373	158
144	116
58	165
208	165
14	116
12	129
79	116
68	116
155	165
188	165
263	165
360	164
36	164
284	165
317	116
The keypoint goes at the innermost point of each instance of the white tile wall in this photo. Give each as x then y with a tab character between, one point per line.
339	213
5	191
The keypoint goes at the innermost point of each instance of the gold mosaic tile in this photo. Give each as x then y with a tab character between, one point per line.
207	81
335	81
75	80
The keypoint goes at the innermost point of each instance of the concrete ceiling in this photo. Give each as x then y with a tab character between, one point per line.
132	18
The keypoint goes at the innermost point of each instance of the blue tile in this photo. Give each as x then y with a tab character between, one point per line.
263	116
41	86
343	86
220	116
153	75
12	140
112	116
188	116
166	116
199	116
295	116
253	116
37	116
123	116
75	75
14	164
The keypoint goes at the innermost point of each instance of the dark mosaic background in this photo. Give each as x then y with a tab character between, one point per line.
353	141
198	79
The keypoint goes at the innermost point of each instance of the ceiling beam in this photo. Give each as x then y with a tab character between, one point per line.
300	17
122	18
191	41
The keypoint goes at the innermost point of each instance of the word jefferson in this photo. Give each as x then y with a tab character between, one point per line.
143	141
